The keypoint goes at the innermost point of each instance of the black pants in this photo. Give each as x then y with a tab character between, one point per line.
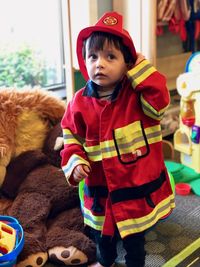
107	249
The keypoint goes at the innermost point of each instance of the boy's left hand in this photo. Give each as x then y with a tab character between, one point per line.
140	57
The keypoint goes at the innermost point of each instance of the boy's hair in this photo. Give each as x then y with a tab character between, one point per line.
97	40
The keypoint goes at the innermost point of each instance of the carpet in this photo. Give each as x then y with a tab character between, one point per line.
174	241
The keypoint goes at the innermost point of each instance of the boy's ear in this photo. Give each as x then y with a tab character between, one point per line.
129	65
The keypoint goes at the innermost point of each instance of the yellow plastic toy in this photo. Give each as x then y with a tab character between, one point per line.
187	137
7	238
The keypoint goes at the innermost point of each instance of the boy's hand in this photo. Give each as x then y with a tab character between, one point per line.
80	172
140	57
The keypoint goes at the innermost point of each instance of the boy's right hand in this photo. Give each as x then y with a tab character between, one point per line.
80	172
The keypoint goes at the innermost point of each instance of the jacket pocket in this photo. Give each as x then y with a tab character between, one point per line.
131	142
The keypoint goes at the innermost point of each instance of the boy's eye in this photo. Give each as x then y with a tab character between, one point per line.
92	56
111	56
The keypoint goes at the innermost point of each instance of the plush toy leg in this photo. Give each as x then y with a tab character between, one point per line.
69	247
31	211
36	260
66	240
34	253
67	256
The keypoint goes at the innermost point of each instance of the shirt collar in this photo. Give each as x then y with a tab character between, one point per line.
91	90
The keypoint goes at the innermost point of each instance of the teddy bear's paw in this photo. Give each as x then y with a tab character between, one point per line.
67	256
36	260
3	151
59	143
5	155
2	174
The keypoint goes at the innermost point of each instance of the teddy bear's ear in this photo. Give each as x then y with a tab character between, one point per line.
53	144
59	143
18	170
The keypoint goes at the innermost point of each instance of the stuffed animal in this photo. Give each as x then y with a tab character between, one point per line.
33	187
26	115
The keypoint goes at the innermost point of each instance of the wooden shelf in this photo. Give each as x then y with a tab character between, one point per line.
172	66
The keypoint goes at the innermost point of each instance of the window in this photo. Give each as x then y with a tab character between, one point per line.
31	44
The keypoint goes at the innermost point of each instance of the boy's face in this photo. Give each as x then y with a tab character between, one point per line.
105	67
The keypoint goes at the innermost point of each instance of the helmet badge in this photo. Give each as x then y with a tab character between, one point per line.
110	21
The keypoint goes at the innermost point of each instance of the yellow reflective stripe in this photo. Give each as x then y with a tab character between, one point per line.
138	68
140	72
150	111
69	138
73	161
93	152
153	134
107	148
152	129
124	131
126	138
155	139
134	144
93	221
132	226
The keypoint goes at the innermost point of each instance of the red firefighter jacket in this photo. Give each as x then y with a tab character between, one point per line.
121	141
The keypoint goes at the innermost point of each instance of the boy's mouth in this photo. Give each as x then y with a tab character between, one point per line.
99	75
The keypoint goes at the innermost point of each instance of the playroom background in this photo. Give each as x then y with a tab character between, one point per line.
39	74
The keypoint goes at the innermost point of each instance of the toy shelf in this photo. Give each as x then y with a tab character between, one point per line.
172	66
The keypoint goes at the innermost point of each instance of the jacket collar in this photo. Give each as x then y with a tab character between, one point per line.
91	90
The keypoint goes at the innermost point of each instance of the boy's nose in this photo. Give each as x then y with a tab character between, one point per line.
100	63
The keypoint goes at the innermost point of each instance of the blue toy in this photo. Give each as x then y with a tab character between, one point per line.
11	240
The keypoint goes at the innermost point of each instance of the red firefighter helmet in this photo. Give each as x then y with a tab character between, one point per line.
111	22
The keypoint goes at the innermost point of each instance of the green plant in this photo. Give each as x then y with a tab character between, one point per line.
21	68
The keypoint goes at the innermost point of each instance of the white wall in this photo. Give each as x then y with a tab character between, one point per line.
84	13
132	18
140	21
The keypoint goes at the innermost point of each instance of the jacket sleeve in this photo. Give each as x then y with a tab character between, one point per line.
151	85
73	152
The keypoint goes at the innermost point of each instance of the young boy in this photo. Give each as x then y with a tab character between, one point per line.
113	141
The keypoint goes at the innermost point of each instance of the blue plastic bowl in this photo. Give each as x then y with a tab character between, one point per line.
9	259
8	263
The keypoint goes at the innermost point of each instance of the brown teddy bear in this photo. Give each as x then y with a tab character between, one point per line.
47	208
33	187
